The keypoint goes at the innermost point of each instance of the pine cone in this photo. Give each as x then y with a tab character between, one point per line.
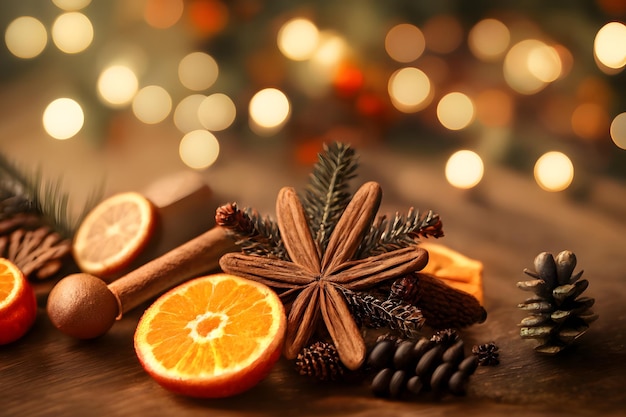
487	354
37	250
405	368
558	316
321	361
442	306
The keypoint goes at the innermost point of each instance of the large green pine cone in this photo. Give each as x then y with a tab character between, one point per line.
558	315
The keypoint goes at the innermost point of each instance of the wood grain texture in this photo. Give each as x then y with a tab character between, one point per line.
504	224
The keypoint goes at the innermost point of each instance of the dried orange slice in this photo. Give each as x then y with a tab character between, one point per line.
211	337
455	269
113	233
18	306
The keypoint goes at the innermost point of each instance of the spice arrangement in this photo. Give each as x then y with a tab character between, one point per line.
341	274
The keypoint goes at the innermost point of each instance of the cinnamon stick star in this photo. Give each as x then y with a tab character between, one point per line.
316	280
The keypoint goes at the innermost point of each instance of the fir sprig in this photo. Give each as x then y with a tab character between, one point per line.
327	193
386	235
405	318
46	199
257	235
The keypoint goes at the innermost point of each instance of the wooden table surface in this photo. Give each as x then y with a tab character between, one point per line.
504	223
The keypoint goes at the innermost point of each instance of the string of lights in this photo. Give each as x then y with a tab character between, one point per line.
244	65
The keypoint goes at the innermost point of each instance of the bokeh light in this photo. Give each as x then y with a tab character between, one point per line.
494	108
269	110
207	17
609	46
117	85
554	171
63	118
152	104
72	32
186	114
217	112
544	63
199	149
298	39
443	33
489	39
71	5
590	121
332	48
455	111
410	89
464	169
198	71
26	37
162	14
530	65
618	130
405	43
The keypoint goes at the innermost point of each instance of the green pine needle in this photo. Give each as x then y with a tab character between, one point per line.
44	198
402	231
327	193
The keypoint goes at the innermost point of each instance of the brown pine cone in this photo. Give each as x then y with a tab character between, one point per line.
321	361
442	306
34	248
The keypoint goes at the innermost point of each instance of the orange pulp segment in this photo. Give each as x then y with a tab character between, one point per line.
18	306
113	233
213	336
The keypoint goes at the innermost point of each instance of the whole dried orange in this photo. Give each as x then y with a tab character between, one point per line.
18	306
214	336
113	233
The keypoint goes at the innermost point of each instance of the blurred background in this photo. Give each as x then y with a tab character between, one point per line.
130	90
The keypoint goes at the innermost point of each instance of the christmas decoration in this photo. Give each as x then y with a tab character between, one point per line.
558	315
405	369
487	354
320	361
36	226
324	254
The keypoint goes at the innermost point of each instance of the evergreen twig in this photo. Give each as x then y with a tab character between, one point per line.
257	235
393	314
386	235
45	199
327	193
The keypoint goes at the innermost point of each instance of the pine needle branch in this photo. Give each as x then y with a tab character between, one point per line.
45	199
257	235
393	314
386	235
327	193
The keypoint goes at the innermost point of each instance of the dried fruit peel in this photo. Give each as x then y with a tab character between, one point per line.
455	269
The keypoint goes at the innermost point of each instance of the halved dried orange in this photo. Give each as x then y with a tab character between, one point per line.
114	233
18	306
455	269
214	336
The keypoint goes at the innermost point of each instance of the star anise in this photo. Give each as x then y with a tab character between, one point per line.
315	279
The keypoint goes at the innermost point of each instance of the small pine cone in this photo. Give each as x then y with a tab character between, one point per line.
445	337
230	217
320	361
487	354
442	306
558	314
34	248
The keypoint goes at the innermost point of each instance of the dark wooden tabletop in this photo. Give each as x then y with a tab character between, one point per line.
504	223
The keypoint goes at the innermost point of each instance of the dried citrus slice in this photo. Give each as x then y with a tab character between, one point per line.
113	233
214	336
18	306
455	269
